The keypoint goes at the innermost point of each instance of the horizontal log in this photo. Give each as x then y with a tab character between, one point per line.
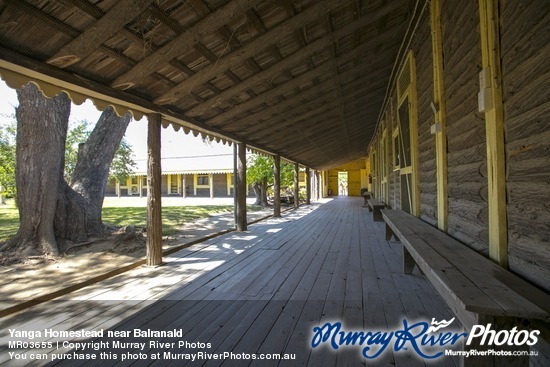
527	193
529	96
466	155
536	145
517	77
527	124
467	232
524	32
533	219
472	172
533	169
530	269
466	132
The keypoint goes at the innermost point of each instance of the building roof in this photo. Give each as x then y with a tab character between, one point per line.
305	79
204	164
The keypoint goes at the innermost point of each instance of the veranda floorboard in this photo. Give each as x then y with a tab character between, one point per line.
261	291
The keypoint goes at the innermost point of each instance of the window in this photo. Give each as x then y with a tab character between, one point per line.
395	151
202	180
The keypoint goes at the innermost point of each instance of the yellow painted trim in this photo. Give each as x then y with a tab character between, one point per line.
229	183
439	117
384	165
494	125
410	95
374	170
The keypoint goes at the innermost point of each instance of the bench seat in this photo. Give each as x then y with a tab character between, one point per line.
477	290
375	207
474	287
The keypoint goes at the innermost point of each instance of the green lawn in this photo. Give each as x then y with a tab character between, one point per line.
172	217
9	221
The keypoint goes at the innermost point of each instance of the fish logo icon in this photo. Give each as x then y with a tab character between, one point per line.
436	325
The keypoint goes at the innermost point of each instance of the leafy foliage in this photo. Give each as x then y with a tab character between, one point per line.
259	168
123	163
75	136
121	167
7	158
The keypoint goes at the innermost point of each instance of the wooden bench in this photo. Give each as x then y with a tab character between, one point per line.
287	199
375	207
476	289
366	196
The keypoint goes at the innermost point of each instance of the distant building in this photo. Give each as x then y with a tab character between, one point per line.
190	176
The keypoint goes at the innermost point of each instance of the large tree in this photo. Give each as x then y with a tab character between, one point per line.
259	174
53	211
7	161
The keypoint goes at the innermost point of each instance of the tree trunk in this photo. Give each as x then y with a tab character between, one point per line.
50	210
263	193
40	147
80	204
257	187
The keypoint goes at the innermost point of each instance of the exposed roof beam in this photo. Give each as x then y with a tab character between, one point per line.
249	50
224	118
261	132
326	90
122	13
182	43
294	59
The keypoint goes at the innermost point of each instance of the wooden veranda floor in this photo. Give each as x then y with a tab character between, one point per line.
262	291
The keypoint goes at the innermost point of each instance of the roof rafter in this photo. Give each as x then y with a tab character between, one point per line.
122	13
182	42
236	57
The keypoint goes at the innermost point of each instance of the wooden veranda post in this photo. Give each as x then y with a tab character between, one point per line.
184	186
211	183
296	186
308	186
491	87
318	185
277	186
154	183
440	125
241	187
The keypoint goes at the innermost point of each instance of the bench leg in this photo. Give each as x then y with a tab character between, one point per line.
377	215
408	262
389	233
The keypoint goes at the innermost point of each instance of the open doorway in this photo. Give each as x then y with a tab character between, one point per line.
343	183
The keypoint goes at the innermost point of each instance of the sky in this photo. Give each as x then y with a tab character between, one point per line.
174	143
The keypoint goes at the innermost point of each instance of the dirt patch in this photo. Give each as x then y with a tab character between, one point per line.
26	278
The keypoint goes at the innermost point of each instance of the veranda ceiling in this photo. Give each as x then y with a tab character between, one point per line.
302	78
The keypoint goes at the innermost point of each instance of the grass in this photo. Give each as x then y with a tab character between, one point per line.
172	217
9	221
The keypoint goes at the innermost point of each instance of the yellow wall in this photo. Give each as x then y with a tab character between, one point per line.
333	181
354	183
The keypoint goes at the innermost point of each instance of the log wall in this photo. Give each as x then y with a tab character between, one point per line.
525	28
426	142
525	46
466	159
